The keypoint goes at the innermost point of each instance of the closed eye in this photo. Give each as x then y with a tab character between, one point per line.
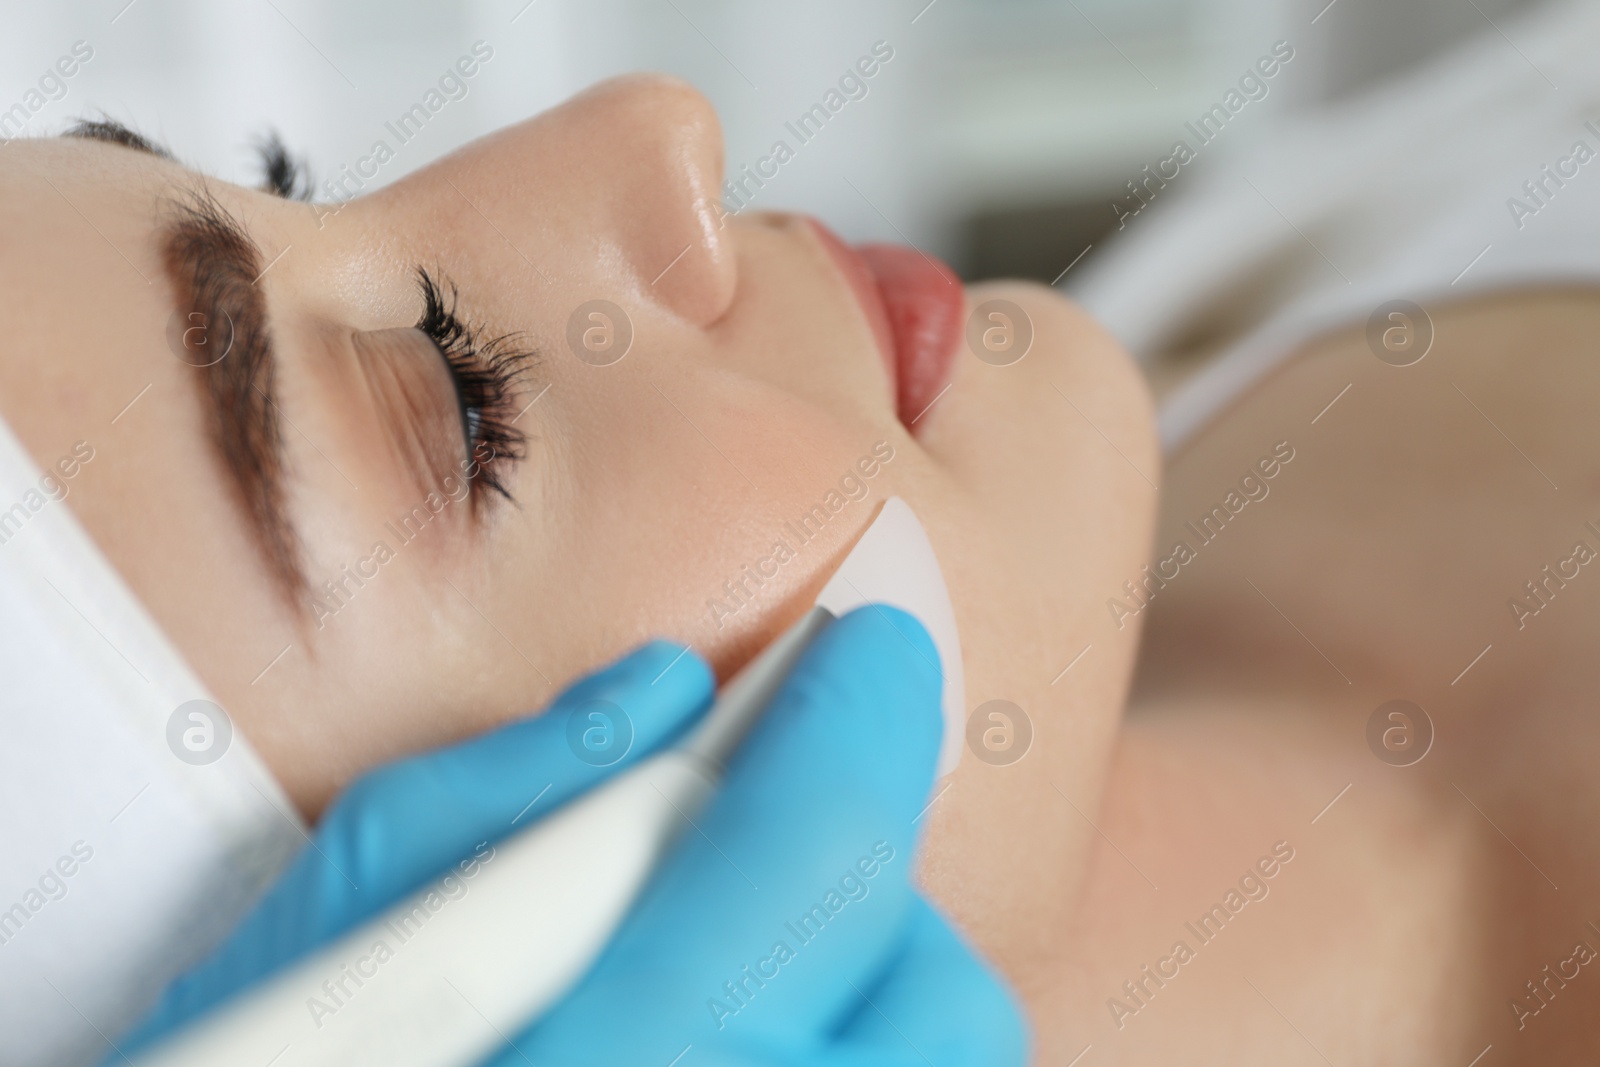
487	374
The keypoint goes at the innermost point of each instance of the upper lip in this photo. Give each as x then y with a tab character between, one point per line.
865	286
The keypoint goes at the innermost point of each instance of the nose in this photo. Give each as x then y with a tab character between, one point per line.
619	186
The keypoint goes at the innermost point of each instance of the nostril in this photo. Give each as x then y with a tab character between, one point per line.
773	220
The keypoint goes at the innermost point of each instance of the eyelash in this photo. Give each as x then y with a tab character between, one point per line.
486	373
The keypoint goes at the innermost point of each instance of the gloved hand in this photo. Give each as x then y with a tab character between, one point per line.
783	930
399	827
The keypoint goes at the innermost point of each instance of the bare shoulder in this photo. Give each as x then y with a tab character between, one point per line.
1416	499
1444	850
1260	890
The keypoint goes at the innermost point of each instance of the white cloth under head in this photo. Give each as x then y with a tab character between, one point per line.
120	862
1463	177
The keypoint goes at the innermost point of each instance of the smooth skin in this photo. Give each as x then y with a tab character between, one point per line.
752	386
1422	901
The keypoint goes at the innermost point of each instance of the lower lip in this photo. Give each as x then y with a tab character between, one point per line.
914	305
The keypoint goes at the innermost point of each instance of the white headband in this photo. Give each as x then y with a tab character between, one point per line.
135	835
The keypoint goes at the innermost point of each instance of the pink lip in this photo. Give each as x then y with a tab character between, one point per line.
913	304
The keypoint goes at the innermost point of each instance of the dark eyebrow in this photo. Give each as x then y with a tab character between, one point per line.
213	266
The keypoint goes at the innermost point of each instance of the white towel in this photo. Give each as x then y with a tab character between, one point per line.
120	862
1406	193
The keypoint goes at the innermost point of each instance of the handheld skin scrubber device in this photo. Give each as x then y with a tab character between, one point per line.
541	914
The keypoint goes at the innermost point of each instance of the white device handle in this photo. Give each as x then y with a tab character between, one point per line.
457	980
459	975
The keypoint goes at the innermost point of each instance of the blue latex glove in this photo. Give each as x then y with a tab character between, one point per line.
765	940
399	827
783	930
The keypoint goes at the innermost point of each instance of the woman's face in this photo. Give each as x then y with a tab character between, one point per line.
296	518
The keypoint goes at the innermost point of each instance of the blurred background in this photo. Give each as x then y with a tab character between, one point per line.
999	135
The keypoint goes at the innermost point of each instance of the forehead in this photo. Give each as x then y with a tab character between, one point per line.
48	180
106	165
84	200
79	264
88	199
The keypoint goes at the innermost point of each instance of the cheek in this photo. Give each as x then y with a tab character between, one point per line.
710	519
